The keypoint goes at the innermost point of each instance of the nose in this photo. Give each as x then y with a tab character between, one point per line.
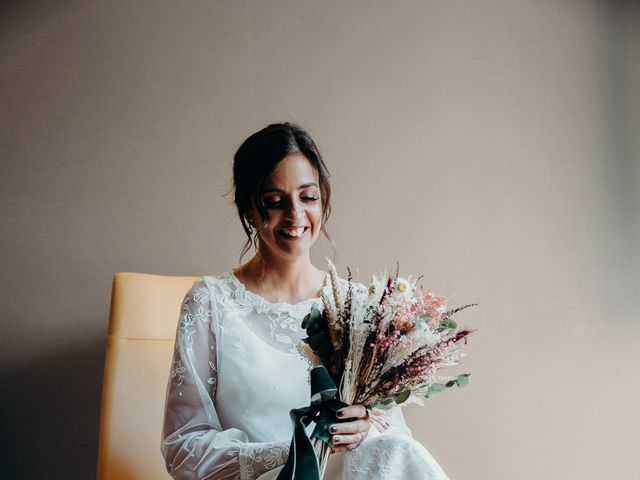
295	210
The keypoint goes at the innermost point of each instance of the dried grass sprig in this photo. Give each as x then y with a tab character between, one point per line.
450	313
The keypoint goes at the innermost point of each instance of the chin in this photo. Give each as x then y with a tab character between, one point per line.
292	252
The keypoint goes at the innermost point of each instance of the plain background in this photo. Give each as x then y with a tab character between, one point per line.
491	146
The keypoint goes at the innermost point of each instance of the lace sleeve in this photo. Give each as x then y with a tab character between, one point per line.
388	421
194	444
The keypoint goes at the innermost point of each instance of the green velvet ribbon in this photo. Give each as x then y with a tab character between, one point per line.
302	463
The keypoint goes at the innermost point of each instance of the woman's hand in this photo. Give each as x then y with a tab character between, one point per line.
348	435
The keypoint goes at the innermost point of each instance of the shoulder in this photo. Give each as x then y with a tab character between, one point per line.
217	281
209	298
198	292
208	288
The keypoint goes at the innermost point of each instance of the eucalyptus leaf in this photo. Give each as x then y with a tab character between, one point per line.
312	321
463	379
315	341
436	388
325	350
448	323
402	396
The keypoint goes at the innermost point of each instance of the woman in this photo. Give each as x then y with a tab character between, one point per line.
236	370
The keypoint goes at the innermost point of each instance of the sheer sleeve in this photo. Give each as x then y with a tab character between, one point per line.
388	421
194	444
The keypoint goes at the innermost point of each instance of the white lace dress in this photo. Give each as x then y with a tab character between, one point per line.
235	375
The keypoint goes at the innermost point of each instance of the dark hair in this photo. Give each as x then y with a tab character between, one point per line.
256	159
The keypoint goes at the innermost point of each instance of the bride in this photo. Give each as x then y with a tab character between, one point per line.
236	370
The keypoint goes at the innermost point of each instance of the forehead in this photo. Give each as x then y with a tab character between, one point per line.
292	172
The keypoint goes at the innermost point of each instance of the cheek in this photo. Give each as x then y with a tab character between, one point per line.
317	216
314	210
273	218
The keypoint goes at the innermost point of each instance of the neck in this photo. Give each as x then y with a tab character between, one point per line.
285	280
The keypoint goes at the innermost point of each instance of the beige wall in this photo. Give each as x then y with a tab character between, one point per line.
486	145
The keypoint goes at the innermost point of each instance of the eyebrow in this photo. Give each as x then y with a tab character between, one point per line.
301	187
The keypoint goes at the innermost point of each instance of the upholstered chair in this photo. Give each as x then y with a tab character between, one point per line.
142	326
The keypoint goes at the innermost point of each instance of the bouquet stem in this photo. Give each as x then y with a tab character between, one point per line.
325	451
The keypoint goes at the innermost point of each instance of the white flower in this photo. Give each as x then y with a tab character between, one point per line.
403	287
377	285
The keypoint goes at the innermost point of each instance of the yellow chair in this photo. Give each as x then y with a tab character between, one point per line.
142	325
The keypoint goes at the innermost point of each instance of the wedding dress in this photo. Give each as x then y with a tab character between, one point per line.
235	375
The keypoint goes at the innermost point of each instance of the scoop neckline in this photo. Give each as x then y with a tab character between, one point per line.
260	298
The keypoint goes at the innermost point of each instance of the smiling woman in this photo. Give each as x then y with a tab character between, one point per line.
236	369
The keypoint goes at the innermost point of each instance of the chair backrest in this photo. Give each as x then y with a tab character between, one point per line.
142	325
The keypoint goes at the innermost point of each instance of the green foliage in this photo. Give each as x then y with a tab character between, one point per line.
396	399
446	323
316	326
313	322
460	381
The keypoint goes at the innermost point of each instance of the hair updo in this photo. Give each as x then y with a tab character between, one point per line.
257	158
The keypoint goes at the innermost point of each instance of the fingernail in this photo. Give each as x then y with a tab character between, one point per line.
339	413
336	439
333	429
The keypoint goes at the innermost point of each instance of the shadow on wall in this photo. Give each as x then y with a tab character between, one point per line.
50	414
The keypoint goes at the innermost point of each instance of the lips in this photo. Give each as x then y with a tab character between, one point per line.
293	232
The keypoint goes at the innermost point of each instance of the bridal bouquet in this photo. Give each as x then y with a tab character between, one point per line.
390	346
382	347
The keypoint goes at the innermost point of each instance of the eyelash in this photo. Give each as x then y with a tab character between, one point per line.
277	204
